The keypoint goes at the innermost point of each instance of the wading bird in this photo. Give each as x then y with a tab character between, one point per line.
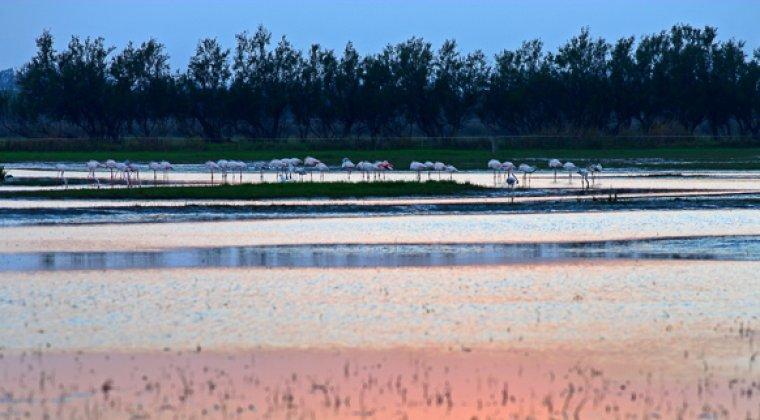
259	166
61	170
237	166
506	167
92	166
451	169
511	179
121	170
212	167
417	167
347	166
278	165
322	168
594	168
570	168
583	172
495	166
155	167
300	171
374	170
310	161
429	166
224	166
526	170
439	167
382	166
555	164
165	168
111	165
132	168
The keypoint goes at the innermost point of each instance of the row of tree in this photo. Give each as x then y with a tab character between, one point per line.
683	80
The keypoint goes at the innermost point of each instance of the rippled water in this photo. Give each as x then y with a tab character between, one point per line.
284	296
417	229
403	255
49	212
542	304
663	278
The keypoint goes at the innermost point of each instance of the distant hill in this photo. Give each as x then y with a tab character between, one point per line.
7	79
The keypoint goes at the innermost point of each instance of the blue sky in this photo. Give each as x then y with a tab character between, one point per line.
370	24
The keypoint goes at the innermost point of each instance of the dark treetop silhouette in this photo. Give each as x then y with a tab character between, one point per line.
680	81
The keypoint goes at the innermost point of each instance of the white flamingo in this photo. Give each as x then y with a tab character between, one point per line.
155	167
429	166
93	166
347	166
165	168
364	167
322	168
293	161
595	168
526	170
237	166
372	170
300	171
417	167
61	170
277	165
382	166
121	170
451	169
512	182
506	167
495	166
555	164
570	168
242	166
260	166
132	168
111	165
439	167
212	167
224	166
310	161
583	172
511	179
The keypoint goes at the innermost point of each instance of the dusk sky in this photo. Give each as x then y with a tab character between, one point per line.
370	24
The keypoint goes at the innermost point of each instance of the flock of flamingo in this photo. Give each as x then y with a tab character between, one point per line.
506	170
288	168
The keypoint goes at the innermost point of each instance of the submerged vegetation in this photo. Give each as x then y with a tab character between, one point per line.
682	81
266	190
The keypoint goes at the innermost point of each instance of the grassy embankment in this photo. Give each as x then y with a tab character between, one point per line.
686	157
263	191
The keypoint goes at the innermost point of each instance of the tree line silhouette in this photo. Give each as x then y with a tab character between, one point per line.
679	81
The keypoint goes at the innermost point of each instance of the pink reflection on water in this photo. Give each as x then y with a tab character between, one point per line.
500	228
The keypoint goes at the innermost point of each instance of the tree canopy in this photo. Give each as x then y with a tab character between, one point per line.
679	81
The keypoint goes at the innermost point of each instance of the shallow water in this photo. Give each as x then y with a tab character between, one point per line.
572	303
417	229
558	303
544	179
405	255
